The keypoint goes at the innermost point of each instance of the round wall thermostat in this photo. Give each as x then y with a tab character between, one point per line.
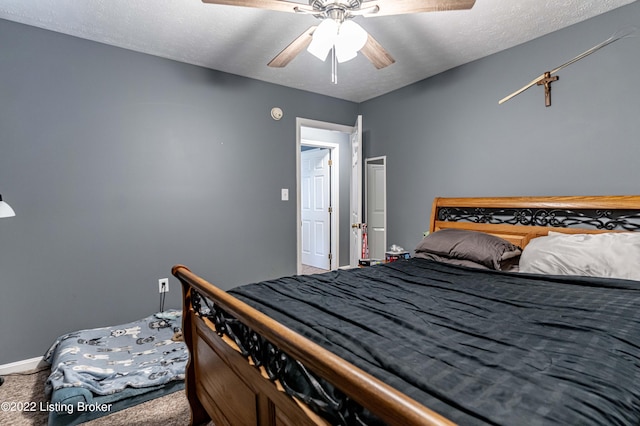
276	113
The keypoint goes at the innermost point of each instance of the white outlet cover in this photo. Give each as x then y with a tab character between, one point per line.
163	282
284	195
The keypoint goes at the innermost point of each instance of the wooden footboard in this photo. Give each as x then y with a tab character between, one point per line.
222	386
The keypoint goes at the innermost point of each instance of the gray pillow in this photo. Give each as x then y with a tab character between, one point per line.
449	260
478	247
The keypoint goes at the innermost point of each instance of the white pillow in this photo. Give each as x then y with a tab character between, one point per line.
610	255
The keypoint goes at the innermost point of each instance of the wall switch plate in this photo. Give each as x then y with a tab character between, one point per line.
163	285
284	194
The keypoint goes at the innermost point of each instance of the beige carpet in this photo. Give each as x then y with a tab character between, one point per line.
170	410
309	270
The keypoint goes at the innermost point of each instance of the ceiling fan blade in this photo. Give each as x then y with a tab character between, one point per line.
399	7
281	6
293	49
377	54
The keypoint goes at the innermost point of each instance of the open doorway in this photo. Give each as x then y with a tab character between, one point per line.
376	206
317	139
317	205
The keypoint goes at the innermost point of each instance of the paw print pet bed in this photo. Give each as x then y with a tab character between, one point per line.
99	371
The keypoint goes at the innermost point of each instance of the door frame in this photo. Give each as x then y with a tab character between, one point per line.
335	185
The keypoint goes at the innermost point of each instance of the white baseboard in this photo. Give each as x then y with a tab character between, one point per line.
22	366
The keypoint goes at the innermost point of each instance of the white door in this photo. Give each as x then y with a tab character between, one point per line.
355	245
376	207
315	213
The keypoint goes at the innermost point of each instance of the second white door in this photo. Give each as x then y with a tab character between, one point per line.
376	202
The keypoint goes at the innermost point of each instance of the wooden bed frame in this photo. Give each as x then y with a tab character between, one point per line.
222	385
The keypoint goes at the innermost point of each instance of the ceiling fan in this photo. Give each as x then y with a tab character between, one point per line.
337	32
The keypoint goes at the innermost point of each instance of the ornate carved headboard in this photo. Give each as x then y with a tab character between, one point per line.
519	219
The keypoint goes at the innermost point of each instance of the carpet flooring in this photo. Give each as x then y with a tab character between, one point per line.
170	410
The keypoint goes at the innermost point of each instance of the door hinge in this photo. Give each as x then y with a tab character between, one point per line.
330	256
330	163
330	209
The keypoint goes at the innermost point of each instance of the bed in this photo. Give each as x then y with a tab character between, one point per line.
96	372
442	338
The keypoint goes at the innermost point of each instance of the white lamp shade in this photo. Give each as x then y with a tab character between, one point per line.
351	38
323	39
344	54
352	35
5	209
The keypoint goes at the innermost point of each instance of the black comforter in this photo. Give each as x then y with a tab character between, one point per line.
476	346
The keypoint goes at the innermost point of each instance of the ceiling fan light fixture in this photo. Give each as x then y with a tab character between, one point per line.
344	53
323	39
351	38
347	38
352	35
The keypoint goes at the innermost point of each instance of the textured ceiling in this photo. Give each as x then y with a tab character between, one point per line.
242	41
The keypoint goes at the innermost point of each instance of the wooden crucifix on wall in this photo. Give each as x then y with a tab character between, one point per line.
546	82
548	77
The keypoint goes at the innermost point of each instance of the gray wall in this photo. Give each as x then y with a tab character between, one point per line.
120	165
447	135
